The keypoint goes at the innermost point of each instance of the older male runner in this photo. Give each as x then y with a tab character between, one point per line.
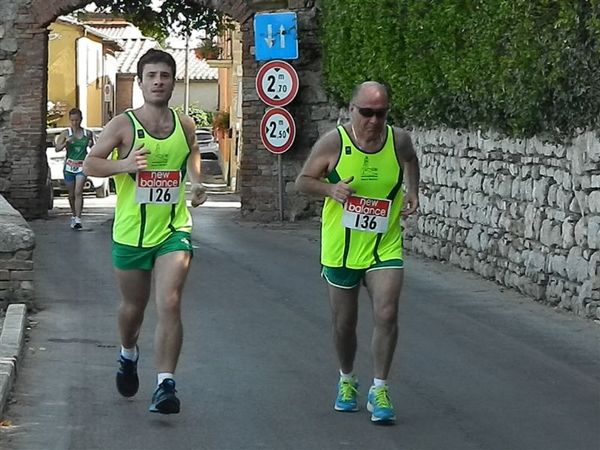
359	168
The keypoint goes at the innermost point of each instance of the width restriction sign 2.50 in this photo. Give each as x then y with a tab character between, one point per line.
277	130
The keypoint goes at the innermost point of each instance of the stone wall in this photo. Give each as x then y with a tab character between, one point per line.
522	212
525	213
16	257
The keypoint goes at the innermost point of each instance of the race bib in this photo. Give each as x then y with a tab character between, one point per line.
160	187
74	165
366	214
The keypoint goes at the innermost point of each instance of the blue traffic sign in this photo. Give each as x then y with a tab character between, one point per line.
275	36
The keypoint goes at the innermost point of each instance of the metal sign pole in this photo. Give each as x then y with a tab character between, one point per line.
186	76
280	179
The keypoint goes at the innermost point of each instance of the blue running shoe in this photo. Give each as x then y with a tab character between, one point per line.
164	400
380	406
127	377
347	395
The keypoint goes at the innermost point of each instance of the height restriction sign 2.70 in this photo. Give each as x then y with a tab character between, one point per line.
277	130
277	83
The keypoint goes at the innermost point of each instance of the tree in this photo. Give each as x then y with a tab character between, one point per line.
176	17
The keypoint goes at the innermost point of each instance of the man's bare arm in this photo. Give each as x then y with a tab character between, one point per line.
320	162
197	190
410	167
91	138
96	163
60	141
194	167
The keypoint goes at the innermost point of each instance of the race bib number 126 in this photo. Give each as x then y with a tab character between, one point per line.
160	187
366	214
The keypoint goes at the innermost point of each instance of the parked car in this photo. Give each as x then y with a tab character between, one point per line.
99	186
209	151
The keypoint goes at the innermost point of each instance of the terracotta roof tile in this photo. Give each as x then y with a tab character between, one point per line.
135	44
198	68
123	31
133	51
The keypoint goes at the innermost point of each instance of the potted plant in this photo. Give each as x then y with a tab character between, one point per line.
208	50
221	120
220	123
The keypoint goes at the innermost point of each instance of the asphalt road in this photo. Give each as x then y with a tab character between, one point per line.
477	367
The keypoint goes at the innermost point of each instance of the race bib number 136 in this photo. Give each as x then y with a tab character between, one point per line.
366	214
159	187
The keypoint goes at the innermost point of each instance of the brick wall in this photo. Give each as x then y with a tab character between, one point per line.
312	113
23	65
16	257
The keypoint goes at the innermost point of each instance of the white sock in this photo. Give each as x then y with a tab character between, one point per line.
377	382
129	353
163	376
346	376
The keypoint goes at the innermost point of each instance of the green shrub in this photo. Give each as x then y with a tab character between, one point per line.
522	67
201	117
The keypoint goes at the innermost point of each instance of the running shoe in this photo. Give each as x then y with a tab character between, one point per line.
347	395
72	223
380	406
77	225
127	377
164	400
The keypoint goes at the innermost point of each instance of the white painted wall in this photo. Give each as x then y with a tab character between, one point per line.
204	94
89	69
110	72
137	99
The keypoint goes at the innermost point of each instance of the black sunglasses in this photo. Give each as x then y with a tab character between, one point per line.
370	112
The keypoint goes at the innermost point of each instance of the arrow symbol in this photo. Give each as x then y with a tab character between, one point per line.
269	39
282	36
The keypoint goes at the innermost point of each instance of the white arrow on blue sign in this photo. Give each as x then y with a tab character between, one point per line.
275	36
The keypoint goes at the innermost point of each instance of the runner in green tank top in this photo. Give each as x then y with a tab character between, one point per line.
77	141
156	151
359	169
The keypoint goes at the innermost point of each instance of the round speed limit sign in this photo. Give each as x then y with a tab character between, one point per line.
277	130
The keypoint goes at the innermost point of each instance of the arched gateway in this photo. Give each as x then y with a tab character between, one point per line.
23	90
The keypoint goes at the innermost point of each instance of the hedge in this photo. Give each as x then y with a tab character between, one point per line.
520	67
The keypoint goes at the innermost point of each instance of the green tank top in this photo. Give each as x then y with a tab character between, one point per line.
76	151
355	235
151	204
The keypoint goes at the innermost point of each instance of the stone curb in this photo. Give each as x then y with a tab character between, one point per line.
12	339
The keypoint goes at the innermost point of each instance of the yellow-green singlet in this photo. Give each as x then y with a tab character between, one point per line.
376	175
147	224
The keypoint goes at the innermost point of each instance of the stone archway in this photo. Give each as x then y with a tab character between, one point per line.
23	91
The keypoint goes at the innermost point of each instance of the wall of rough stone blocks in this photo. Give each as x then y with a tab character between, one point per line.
522	212
17	243
525	212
